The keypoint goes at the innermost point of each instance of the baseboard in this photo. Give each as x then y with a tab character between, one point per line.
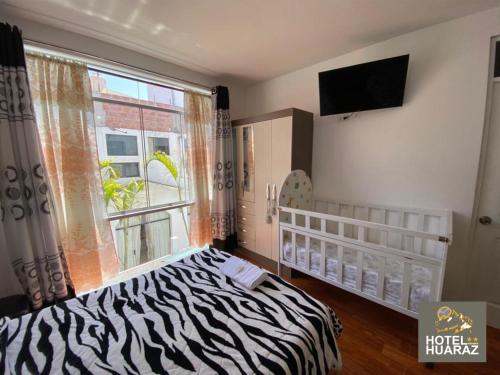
493	314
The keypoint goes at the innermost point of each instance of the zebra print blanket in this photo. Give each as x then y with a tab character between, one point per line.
182	318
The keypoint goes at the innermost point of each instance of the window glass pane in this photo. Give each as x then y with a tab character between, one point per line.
165	150
119	148
141	239
162	97
121	145
117	116
110	86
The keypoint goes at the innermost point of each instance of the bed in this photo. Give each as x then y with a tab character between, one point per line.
185	317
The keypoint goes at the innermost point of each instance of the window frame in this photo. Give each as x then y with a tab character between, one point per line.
180	204
154	144
121	166
109	135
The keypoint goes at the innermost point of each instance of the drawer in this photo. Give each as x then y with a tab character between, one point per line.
246	242
246	231
246	220
245	208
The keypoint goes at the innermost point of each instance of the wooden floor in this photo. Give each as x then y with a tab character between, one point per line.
378	340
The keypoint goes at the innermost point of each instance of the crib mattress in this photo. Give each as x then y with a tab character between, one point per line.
419	288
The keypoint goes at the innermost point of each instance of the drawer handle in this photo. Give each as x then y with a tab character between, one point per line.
244	218
243	206
242	242
243	230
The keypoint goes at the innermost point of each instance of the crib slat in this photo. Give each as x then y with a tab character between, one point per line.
341	229
409	243
293	218
307	222
323	225
340	263
383	237
359	270
435	287
294	250
361	234
349	231
401	225
322	261
405	292
381	279
308	253
417	244
334	209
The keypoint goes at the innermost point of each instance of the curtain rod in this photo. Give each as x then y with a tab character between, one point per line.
37	46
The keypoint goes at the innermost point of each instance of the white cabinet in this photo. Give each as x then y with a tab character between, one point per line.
267	148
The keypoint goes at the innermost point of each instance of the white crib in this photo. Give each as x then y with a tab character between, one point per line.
391	255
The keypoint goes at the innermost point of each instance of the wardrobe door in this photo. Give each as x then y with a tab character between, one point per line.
262	133
281	156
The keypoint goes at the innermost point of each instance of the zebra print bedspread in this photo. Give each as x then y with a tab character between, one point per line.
183	318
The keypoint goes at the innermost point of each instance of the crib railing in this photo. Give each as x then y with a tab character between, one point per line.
295	222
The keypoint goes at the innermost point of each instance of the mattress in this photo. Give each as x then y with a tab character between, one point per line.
420	282
182	318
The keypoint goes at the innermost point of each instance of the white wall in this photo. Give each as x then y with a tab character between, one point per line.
424	154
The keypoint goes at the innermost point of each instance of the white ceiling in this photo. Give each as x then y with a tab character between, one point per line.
247	39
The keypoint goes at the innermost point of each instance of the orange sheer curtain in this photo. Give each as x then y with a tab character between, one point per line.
62	99
198	114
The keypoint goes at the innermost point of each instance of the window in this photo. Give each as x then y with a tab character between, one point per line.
121	145
127	169
137	124
158	144
141	145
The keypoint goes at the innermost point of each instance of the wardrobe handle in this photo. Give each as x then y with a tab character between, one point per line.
269	209
275	203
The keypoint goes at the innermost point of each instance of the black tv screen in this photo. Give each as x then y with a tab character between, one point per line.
372	85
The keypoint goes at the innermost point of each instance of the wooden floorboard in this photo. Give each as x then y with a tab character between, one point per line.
378	340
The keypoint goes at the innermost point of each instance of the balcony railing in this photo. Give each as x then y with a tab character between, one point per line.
145	234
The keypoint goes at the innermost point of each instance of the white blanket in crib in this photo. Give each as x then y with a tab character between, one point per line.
419	288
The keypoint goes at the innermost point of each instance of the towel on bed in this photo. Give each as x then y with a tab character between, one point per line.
243	272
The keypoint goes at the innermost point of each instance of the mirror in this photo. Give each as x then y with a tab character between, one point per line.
248	181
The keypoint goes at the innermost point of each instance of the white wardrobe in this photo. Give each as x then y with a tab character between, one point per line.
267	148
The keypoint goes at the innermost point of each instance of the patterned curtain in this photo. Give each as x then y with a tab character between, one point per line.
198	119
62	98
223	213
27	223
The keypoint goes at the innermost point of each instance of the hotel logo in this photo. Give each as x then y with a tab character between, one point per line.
452	332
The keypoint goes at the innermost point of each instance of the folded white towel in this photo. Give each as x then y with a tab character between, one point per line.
243	272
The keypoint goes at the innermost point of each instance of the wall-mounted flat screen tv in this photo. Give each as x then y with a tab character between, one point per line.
372	85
